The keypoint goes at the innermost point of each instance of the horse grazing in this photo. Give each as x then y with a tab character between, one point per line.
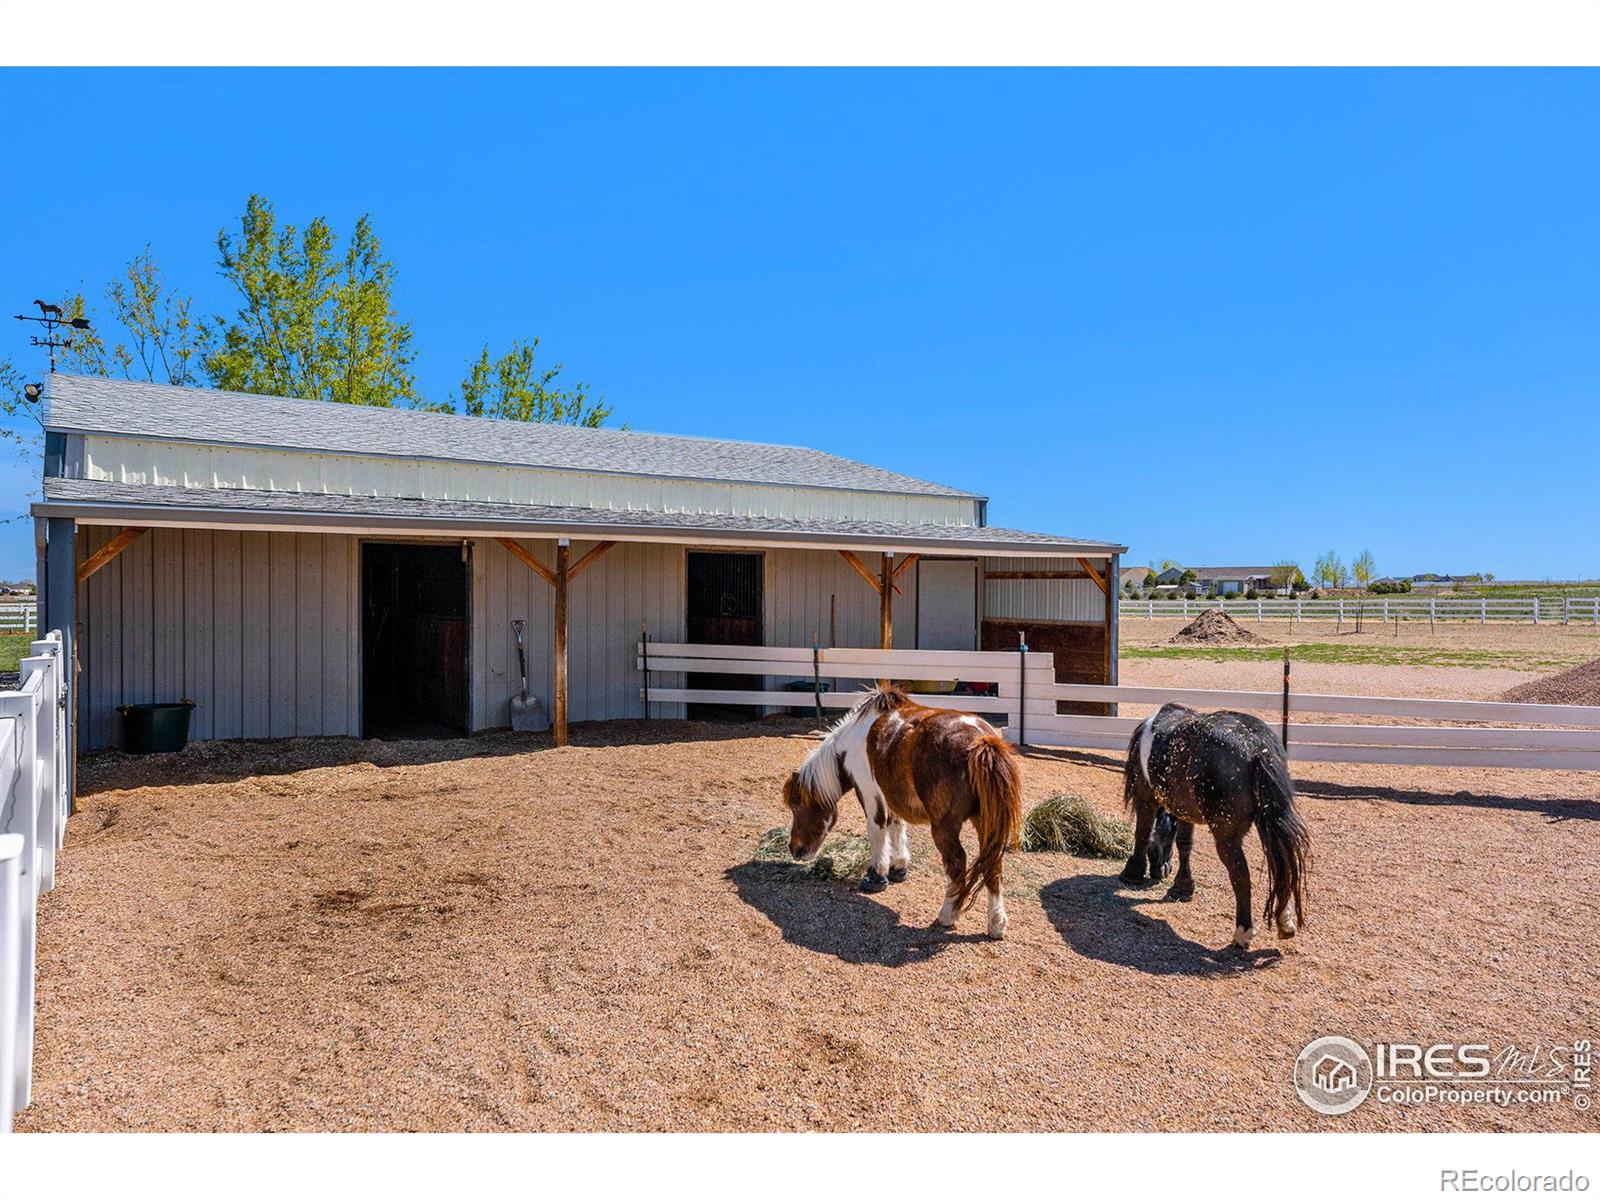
911	763
1229	771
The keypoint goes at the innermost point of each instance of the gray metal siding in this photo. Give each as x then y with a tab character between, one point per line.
800	585
1043	599
629	583
256	629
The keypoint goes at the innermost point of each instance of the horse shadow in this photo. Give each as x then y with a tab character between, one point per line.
1099	919
831	917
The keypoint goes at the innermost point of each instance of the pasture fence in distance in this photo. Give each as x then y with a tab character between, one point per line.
33	821
1020	690
17	616
1537	610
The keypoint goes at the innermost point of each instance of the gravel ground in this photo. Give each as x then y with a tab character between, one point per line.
492	934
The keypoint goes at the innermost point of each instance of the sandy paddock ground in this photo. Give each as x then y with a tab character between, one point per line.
494	934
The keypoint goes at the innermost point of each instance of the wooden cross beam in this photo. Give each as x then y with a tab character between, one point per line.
865	572
588	560
110	550
1099	579
523	555
906	562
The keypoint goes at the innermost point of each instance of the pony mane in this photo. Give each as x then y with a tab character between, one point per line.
819	773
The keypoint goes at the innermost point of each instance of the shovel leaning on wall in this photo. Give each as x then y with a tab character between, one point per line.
527	714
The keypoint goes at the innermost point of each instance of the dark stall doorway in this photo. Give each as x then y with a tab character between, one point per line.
724	609
414	640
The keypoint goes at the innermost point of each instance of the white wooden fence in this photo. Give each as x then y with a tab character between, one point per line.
33	820
17	616
1478	734
1540	610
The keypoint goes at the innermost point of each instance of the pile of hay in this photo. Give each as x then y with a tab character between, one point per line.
1071	825
843	856
1216	628
1580	685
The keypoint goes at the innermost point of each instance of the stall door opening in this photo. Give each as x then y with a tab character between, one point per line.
725	600
414	639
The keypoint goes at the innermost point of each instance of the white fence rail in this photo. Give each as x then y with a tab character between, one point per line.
33	821
1464	733
1539	610
17	616
1530	741
1010	675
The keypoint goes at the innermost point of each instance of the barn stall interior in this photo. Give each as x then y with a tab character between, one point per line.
300	568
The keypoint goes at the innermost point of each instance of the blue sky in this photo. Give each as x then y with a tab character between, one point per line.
1220	316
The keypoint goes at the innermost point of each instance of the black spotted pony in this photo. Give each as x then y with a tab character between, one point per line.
1226	770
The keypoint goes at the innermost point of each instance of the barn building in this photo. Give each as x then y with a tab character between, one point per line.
301	568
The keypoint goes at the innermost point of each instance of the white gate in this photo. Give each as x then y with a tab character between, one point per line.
33	820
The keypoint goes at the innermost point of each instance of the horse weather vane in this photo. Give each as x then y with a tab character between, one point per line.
55	323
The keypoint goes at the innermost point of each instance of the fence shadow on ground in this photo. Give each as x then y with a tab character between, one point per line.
232	761
1100	919
832	918
1553	809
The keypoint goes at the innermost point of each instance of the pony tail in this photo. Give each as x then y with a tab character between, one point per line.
1131	774
1284	836
993	772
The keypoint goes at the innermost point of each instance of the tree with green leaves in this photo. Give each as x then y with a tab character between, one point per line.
514	387
153	336
315	320
1330	570
1364	569
1286	574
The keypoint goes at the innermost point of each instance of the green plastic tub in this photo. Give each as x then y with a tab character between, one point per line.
155	728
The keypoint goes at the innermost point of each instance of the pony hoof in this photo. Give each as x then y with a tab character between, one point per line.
1286	929
997	930
1133	880
898	874
1241	937
873	882
1179	892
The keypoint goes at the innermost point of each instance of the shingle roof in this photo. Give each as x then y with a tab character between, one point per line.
82	404
315	509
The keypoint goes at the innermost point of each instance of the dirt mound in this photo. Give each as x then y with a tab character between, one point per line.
1216	628
1580	685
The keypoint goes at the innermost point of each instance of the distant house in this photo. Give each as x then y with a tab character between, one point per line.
1431	580
1220	581
1133	575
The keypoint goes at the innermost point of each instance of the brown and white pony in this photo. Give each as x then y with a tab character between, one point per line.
911	763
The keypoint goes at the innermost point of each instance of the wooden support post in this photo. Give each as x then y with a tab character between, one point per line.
559	722
1110	673
886	604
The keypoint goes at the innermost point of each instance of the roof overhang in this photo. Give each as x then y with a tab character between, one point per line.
365	516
